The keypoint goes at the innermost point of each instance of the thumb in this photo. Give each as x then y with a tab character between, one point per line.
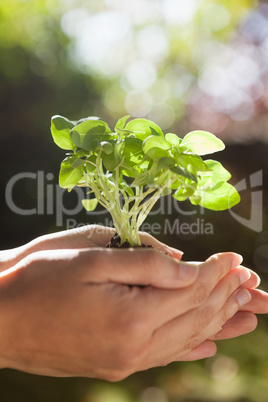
145	267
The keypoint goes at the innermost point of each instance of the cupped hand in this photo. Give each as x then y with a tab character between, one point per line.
99	313
82	310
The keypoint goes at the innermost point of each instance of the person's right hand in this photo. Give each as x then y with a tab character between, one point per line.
109	313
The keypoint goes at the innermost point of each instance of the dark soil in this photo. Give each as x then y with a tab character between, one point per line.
115	242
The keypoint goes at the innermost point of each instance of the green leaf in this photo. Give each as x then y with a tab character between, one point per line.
202	142
69	176
213	178
90	205
130	172
90	163
184	192
217	171
195	199
60	130
156	153
166	163
81	153
87	118
109	161
106	147
89	134
78	162
121	123
132	151
224	197
197	163
173	139
155	147
142	128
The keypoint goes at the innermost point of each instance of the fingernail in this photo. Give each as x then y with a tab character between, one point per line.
258	280
188	271
244	275
243	297
237	260
174	251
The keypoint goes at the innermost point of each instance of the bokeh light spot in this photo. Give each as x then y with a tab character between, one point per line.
138	103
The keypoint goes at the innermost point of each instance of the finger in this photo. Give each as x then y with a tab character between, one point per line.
258	303
217	267
254	280
237	300
142	267
192	342
203	351
170	304
241	323
185	332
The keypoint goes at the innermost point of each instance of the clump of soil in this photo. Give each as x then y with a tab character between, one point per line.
115	242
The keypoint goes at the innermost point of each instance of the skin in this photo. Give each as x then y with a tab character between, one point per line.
68	307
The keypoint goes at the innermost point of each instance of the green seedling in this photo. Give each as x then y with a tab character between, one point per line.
127	170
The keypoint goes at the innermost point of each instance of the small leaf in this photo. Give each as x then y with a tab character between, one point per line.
217	170
109	161
90	163
156	153
60	130
143	127
215	177
106	147
90	205
90	133
81	153
195	199
224	197
69	176
166	163
121	123
195	161
130	172
78	162
202	142
185	192
153	142
132	151
173	139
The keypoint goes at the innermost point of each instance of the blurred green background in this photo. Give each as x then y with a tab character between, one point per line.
200	64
